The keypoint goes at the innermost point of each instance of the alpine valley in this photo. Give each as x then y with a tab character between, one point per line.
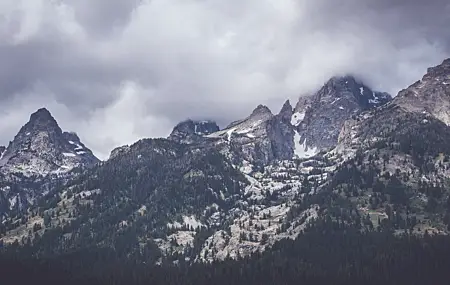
345	156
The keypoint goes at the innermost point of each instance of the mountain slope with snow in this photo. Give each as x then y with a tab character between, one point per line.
318	118
344	153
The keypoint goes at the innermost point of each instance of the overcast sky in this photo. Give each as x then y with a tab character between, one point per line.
115	71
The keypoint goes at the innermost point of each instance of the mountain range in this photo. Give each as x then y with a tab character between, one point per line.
345	153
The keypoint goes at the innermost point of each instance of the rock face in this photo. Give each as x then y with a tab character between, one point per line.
319	118
419	112
190	131
430	95
260	138
312	126
41	148
2	150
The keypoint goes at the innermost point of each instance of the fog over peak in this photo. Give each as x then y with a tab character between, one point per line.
115	71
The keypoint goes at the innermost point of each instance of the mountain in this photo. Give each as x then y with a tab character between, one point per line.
39	151
422	105
400	154
260	138
41	148
343	158
319	117
429	95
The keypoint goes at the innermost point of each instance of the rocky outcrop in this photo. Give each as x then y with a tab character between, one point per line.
319	118
430	95
41	148
190	131
260	138
419	114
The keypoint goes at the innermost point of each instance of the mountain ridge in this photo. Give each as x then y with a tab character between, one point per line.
345	153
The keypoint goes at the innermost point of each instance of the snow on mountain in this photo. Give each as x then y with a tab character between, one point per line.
301	149
2	150
266	184
41	148
251	126
297	118
319	117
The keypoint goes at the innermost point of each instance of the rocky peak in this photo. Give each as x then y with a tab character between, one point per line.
349	88
441	70
286	111
261	111
319	118
41	147
42	115
41	120
430	95
118	151
190	131
417	112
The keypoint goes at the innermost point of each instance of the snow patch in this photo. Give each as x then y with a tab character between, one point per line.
375	99
297	118
244	131
246	167
361	91
229	133
191	221
12	202
340	107
69	154
88	193
301	150
335	100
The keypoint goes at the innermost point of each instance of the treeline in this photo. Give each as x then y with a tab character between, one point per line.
328	253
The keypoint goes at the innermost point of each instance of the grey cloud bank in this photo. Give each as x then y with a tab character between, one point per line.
115	71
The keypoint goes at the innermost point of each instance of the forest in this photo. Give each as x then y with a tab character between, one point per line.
329	252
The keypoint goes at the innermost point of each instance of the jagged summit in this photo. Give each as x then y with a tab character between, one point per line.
41	147
286	111
441	70
261	110
41	113
419	114
350	88
190	131
431	95
41	120
319	118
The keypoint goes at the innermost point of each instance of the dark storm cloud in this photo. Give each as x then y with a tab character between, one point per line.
118	70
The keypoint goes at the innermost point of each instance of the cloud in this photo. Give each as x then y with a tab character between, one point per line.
118	70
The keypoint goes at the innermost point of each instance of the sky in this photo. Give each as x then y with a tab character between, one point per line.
115	71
